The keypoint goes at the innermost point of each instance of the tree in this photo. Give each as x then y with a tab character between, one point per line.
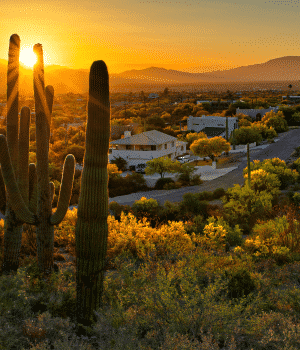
161	166
210	147
277	121
246	135
244	122
120	162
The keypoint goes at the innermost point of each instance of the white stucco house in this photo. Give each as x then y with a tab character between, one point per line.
140	148
212	125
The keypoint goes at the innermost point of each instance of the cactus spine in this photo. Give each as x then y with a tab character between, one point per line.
37	209
91	228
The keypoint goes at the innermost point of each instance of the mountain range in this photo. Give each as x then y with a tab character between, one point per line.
65	79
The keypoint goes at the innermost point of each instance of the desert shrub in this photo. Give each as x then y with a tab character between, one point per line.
148	208
218	193
266	132
246	135
120	162
159	185
276	166
243	206
138	239
205	195
233	235
196	225
275	238
192	205
239	282
171	212
55	172
77	151
264	181
171	185
195	180
295	165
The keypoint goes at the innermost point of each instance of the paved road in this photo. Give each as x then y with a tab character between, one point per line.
282	149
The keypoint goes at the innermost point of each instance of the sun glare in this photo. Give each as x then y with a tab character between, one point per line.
28	57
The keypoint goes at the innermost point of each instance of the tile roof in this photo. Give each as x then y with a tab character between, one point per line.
152	137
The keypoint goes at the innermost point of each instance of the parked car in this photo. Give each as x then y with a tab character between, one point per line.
140	168
184	159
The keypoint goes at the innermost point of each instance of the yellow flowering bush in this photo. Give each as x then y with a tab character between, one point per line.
264	181
278	167
139	239
216	235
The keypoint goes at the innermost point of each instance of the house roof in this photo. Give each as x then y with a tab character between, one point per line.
152	137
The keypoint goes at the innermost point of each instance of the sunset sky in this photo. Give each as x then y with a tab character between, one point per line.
195	36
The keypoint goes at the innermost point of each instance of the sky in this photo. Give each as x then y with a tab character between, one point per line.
194	36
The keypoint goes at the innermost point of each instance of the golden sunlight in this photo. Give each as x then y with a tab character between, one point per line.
27	56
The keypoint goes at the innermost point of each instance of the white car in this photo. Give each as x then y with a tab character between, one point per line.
184	159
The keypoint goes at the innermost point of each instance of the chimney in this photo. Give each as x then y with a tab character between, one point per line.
127	134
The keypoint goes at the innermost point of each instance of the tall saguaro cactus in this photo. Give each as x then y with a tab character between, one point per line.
249	170
91	228
12	226
37	209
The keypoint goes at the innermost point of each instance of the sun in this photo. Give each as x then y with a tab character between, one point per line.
27	56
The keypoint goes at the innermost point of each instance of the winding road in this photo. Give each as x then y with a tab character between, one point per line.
281	149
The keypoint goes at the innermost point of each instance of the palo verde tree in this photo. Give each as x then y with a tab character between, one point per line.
31	202
161	166
210	147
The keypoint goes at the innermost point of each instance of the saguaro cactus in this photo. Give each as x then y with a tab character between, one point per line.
12	226
40	192
249	170
91	228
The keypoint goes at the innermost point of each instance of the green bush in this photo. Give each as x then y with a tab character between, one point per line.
162	181
233	236
219	192
240	283
205	195
192	205
172	186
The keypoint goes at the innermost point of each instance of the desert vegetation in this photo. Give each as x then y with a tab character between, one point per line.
187	275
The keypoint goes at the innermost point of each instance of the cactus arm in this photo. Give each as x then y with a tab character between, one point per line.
15	197
32	188
65	190
24	153
2	194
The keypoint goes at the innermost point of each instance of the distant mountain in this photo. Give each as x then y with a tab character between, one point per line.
65	79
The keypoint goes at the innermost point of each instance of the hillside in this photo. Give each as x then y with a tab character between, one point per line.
66	80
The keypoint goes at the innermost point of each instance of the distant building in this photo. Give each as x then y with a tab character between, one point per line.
253	112
152	95
212	125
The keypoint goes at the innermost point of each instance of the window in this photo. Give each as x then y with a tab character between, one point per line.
172	143
166	146
153	148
